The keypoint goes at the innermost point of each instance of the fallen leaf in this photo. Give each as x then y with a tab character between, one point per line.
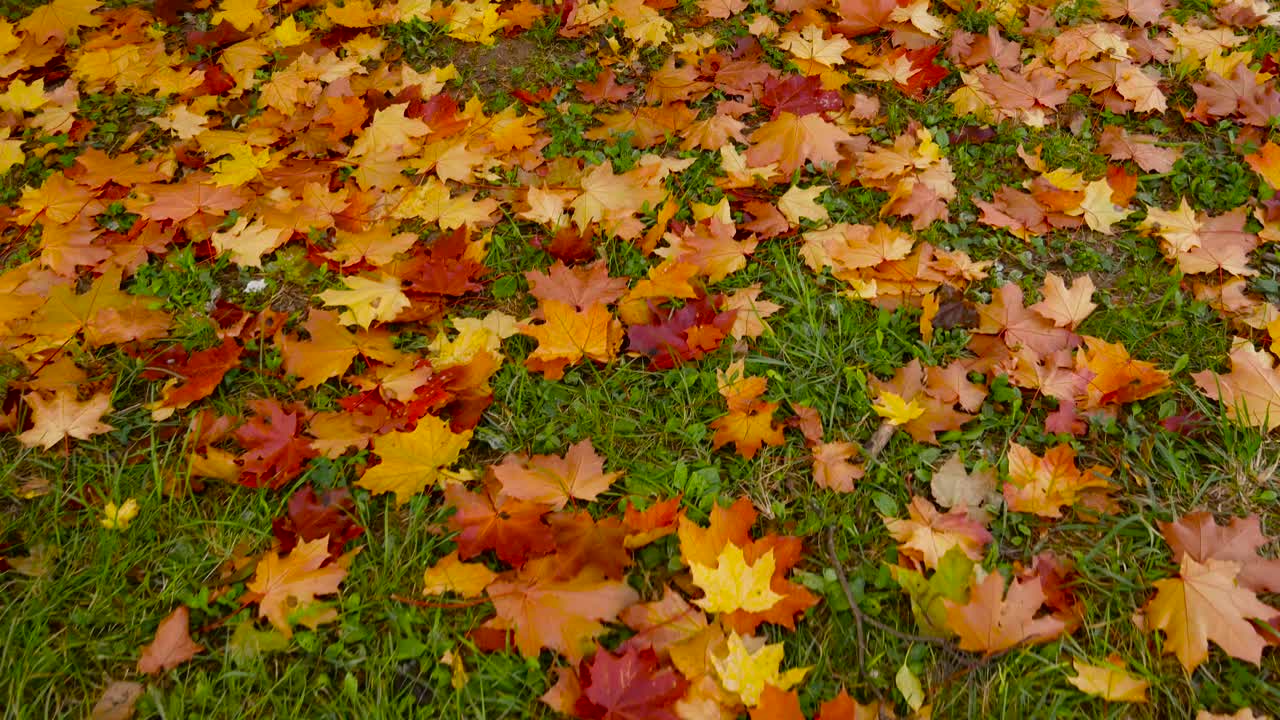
990	623
1109	681
1205	602
172	645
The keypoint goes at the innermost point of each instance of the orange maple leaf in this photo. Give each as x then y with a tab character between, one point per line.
554	480
991	622
565	615
61	415
1205	602
285	583
567	336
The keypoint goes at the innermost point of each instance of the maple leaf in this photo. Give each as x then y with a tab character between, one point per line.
62	416
564	615
197	378
331	514
290	582
928	535
831	466
749	665
1063	307
1266	162
663	623
331	348
248	243
952	486
777	704
1042	485
733	585
1099	212
792	140
950	582
1205	602
631	685
274	452
990	623
799	94
895	409
580	287
368	299
493	521
60	18
567	336
748	430
1109	681
1198	536
552	480
413	460
172	645
862	17
798	204
1250	393
450	574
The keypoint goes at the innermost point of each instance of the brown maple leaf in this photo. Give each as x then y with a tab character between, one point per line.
172	645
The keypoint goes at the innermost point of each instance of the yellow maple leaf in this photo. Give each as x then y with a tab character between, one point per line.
413	460
8	40
1179	229
808	44
450	574
62	416
368	299
1096	207
288	34
243	165
641	24
390	131
749	665
917	13
290	582
59	18
10	151
242	14
118	517
1109	681
895	410
798	204
21	97
568	335
432	202
248	242
733	585
475	21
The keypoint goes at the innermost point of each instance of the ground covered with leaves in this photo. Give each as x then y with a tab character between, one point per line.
639	359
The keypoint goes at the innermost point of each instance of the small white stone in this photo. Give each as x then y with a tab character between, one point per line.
256	285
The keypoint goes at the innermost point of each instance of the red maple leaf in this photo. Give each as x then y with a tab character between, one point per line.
677	336
311	517
629	686
274	453
799	95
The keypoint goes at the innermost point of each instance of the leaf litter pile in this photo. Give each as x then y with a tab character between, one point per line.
387	244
